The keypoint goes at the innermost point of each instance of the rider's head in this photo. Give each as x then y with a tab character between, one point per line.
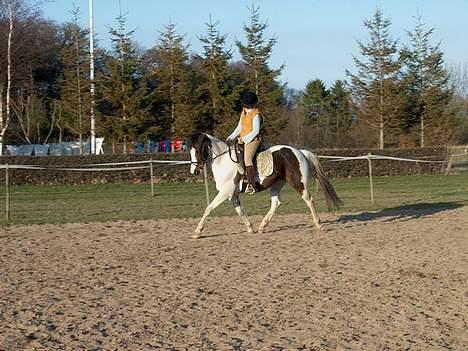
249	99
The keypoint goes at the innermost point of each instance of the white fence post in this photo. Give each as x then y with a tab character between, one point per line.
151	177
7	193
371	181
207	191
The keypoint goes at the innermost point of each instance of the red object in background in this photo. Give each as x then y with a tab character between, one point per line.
177	144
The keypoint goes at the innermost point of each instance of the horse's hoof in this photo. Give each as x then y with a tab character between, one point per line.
321	229
197	233
250	231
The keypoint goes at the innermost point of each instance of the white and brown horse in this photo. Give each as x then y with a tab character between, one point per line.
292	166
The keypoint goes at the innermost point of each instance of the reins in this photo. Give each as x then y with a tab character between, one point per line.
234	146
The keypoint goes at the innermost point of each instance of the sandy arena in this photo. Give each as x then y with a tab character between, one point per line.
391	280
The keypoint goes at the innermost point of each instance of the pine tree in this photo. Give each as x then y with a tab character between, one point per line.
74	84
315	99
124	88
218	87
172	79
260	77
375	88
315	107
427	88
339	108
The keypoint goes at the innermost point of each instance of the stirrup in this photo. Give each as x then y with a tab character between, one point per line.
250	189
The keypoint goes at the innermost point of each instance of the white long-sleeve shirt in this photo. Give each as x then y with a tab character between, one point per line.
251	136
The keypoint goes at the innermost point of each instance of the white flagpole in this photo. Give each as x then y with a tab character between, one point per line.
91	77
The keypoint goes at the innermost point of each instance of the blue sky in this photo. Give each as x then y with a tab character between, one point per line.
316	38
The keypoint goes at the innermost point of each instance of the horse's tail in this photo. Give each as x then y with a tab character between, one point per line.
333	201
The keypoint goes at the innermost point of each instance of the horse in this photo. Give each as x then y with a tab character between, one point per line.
290	165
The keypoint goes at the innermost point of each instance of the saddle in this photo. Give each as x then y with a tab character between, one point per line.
262	161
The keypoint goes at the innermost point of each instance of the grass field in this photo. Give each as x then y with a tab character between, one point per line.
109	202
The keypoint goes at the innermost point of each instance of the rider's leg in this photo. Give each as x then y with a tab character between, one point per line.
249	153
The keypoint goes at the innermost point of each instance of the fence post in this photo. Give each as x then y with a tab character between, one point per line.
207	191
7	193
371	181
152	177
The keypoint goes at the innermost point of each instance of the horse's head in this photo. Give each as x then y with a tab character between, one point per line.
199	152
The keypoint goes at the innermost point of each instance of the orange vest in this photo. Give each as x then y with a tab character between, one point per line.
247	121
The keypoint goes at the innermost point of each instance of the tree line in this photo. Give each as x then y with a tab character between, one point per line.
395	96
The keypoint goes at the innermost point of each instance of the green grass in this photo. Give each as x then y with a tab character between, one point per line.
109	202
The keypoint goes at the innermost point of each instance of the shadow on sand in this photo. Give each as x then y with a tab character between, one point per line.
402	213
399	213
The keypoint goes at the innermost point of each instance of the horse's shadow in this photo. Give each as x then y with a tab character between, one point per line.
296	226
400	213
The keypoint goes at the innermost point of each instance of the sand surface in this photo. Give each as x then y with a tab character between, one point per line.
391	280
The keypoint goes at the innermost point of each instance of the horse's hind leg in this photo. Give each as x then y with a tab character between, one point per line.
308	199
218	200
275	203
237	205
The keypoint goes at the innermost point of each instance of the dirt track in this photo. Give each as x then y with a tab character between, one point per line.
392	280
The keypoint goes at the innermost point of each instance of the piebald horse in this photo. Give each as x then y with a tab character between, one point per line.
292	166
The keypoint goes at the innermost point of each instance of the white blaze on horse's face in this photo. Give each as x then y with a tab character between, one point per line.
193	159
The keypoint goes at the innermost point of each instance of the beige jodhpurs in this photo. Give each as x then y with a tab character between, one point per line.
249	151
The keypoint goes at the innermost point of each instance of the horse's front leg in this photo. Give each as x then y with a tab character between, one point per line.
219	199
235	200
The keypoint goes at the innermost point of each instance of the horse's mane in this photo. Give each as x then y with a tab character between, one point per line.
199	136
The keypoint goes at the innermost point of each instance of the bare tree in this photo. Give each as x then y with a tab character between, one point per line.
5	122
28	47
459	79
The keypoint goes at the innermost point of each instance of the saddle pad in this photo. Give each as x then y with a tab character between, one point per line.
265	163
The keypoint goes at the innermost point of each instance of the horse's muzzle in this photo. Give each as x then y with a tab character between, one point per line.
195	168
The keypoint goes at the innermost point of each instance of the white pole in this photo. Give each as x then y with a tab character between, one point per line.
7	193
207	191
152	177
91	77
371	181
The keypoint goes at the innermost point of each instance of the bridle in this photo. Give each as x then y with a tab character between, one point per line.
200	164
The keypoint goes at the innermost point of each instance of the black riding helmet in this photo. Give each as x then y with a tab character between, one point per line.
249	99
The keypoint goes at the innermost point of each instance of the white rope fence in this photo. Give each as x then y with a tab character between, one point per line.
380	157
149	164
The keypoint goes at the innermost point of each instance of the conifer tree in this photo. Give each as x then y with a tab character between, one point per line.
427	88
172	79
375	87
339	109
260	78
124	88
74	84
315	99
219	83
315	107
